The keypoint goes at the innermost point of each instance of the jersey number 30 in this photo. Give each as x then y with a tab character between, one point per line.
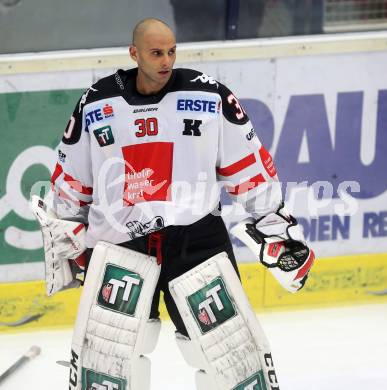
147	126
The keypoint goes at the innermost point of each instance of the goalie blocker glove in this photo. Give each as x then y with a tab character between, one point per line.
280	245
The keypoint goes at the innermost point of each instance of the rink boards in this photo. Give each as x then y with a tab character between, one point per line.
333	281
325	126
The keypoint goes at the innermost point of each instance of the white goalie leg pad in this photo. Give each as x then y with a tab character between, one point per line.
226	341
113	329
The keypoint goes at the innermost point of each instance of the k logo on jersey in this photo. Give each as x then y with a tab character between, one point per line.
192	127
211	305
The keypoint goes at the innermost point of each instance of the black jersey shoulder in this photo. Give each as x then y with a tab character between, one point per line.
107	87
231	107
193	80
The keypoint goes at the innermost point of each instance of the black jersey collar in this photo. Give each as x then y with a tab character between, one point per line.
135	98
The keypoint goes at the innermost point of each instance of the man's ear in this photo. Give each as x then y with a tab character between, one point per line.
133	52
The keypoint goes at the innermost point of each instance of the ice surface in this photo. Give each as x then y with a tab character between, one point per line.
324	349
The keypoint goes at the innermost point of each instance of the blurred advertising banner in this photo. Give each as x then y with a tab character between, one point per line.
323	118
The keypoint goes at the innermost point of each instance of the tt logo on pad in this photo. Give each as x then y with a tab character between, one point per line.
255	382
92	380
120	290
211	305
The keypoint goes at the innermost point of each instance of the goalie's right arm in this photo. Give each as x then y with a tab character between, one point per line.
63	223
64	247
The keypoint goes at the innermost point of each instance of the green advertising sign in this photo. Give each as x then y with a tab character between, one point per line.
32	124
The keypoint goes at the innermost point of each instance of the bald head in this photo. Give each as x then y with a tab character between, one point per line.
154	50
148	27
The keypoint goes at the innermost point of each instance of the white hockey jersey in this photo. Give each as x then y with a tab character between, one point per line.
130	164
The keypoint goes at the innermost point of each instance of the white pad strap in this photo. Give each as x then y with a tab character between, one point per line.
226	340
63	240
113	329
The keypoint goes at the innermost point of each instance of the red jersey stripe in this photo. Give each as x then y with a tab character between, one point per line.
74	184
62	194
247	185
237	166
77	185
57	172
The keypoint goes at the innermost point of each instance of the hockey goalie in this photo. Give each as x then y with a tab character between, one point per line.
135	212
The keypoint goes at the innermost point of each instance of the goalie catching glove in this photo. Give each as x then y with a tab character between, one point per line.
64	247
280	245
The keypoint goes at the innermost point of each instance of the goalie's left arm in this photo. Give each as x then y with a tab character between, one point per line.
250	177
